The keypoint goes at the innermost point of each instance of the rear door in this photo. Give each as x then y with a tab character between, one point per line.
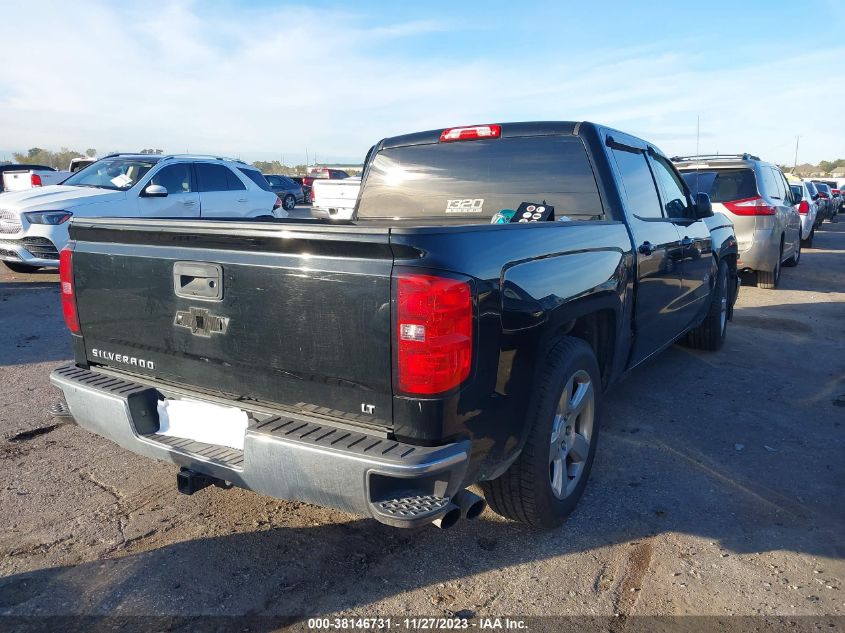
182	200
658	317
278	314
222	194
791	218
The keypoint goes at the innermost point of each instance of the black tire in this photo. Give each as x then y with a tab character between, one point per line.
808	243
21	268
525	491
793	261
771	279
289	202
710	333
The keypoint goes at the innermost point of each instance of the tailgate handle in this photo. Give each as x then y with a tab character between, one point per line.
198	280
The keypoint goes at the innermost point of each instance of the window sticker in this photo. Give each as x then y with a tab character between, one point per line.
465	205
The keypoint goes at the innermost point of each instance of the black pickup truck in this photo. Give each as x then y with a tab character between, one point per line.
383	365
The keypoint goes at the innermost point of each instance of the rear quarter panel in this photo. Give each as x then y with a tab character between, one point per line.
530	280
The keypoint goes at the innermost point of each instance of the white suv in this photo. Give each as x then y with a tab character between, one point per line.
33	223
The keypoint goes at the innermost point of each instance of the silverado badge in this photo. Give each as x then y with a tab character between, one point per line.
200	322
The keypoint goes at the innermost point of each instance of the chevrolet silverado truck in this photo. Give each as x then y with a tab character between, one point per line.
385	364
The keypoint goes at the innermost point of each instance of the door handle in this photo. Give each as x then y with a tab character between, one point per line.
646	248
189	203
687	242
242	199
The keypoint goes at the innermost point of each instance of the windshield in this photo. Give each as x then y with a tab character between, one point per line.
118	174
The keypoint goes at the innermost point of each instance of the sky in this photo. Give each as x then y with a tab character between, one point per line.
265	80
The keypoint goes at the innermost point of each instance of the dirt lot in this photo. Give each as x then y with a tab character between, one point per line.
718	489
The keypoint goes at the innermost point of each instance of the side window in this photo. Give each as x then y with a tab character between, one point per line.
175	178
274	180
787	193
770	187
675	201
639	184
233	183
211	177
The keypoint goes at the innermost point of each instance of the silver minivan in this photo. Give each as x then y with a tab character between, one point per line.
755	195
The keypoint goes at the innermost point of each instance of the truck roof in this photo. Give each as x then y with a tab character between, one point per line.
524	128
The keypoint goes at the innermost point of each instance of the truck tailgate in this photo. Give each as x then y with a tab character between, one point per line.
286	314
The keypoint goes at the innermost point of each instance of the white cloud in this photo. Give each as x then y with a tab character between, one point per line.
266	82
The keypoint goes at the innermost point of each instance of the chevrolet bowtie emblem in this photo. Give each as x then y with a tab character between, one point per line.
200	322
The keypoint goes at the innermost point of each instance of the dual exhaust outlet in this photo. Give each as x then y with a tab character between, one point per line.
464	505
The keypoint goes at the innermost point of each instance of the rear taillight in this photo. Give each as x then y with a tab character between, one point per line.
804	207
434	318
35	180
312	196
277	203
750	206
68	295
470	133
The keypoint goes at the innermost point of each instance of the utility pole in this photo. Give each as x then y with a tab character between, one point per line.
697	133
795	166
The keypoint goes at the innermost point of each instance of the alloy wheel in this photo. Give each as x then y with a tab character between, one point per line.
572	431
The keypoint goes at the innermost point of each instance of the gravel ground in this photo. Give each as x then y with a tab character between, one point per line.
717	490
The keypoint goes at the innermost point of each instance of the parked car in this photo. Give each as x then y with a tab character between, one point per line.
815	197
807	208
289	191
824	203
826	193
306	189
18	167
755	196
335	199
21	177
383	365
34	226
80	162
319	173
835	195
837	199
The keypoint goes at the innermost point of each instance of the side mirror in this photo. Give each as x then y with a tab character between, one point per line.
154	191
703	207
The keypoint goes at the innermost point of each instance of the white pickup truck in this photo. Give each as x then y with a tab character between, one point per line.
334	199
20	177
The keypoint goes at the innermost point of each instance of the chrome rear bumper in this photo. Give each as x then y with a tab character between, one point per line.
285	456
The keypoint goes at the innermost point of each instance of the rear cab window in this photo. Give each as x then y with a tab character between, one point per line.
472	181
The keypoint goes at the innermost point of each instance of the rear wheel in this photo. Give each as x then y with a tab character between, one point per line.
289	202
543	486
770	280
710	334
21	268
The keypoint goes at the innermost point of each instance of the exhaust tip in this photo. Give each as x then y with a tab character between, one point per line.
448	518
471	505
476	509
